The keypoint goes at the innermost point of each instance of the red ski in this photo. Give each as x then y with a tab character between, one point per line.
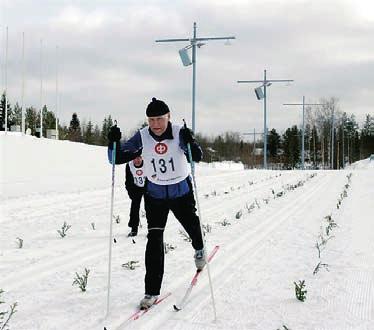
141	312
180	306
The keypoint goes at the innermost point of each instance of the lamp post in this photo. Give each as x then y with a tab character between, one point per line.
194	42
6	83
262	95
303	128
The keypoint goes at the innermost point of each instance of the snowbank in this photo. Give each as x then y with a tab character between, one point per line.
31	165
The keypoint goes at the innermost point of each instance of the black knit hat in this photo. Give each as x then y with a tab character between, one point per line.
157	108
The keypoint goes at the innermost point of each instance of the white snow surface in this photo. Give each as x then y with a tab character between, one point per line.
45	183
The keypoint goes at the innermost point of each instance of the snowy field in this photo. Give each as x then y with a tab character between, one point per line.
267	224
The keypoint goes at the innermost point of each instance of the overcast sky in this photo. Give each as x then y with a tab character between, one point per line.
109	63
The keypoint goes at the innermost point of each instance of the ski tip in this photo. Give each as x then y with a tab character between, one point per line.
176	308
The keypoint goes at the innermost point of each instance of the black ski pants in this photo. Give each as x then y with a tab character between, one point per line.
136	199
157	211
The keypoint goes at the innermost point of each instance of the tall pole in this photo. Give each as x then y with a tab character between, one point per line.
6	81
332	139
193	43
193	76
254	143
303	128
56	93
41	90
303	138
343	162
254	147
265	125
265	83
23	85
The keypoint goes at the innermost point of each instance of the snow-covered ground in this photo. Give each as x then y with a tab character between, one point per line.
45	183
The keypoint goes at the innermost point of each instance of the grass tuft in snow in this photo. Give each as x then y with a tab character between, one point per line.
65	227
169	247
6	315
81	280
131	265
185	236
19	242
299	290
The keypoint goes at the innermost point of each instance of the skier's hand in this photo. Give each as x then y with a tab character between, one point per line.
187	135
114	134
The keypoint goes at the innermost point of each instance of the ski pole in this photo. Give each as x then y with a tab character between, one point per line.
111	226
192	164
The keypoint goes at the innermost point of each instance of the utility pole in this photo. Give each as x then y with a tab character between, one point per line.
254	144
303	127
194	42
262	95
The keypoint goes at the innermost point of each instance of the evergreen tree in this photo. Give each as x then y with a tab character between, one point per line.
2	113
49	120
96	135
15	116
88	136
75	133
274	143
31	119
367	137
291	147
104	133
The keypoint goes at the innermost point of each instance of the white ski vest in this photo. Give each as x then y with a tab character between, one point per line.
164	162
138	174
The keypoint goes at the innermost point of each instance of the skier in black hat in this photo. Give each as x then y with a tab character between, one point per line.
163	147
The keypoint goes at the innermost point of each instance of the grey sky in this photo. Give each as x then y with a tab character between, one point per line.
110	64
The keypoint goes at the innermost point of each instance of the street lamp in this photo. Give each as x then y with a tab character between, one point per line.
183	53
261	94
303	128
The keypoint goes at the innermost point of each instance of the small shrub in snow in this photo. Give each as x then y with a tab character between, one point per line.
169	247
65	227
131	265
299	290
142	214
117	218
284	327
257	203
224	223
266	200
19	242
81	280
319	266
185	236
214	193
238	214
249	207
207	228
93	225
330	224
6	315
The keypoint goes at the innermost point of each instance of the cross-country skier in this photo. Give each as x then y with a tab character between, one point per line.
134	183
163	147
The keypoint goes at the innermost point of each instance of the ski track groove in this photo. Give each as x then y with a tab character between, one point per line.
249	244
76	255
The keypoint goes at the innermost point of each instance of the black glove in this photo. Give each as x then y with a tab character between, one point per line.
187	135
114	134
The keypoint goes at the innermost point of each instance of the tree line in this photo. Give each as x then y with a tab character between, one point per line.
332	138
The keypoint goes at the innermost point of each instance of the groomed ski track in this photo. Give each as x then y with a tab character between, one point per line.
246	265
